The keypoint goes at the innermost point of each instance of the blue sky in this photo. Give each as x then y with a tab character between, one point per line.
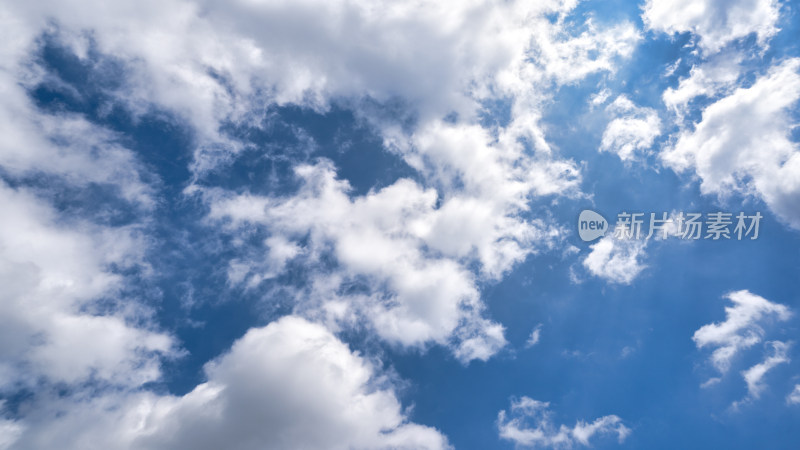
347	224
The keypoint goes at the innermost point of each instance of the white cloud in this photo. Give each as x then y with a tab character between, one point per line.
486	186
62	144
615	260
599	97
64	319
794	397
252	271
212	61
553	59
741	328
743	144
633	130
533	339
67	321
528	424
51	325
716	22
217	62
9	432
567	59
291	384
754	375
386	236
717	74
627	351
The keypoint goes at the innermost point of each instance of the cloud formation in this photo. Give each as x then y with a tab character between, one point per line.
632	131
528	424
794	397
289	385
414	296
616	260
741	329
61	294
743	144
754	376
716	23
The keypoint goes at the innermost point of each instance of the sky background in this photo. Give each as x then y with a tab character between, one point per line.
330	225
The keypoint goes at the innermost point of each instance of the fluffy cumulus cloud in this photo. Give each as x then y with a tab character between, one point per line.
485	187
419	239
65	287
71	322
456	90
717	74
715	22
616	260
64	145
632	131
69	327
51	314
528	424
399	240
419	249
213	61
291	384
743	143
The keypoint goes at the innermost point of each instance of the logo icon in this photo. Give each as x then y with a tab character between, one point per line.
591	225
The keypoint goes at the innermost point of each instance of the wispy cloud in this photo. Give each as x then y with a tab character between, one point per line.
528	424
